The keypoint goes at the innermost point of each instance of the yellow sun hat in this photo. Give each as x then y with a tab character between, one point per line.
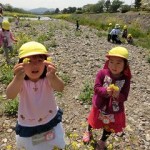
129	35
32	48
6	25
118	52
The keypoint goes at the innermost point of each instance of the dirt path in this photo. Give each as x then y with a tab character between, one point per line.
79	55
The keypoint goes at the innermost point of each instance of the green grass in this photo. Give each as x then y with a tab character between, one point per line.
6	74
11	107
86	93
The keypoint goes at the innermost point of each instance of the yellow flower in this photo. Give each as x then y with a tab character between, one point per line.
110	147
26	60
114	87
49	59
9	147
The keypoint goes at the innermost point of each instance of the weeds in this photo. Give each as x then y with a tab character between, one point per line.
86	93
65	77
6	74
11	107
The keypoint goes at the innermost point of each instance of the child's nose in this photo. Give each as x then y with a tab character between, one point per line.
35	62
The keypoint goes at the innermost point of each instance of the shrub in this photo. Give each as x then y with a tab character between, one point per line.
6	74
86	93
11	107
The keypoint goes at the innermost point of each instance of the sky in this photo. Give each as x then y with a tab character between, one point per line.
61	4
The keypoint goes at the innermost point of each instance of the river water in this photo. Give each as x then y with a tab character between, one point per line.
26	18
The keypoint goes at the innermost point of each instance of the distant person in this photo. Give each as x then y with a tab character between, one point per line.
130	39
7	40
109	30
77	25
16	20
39	125
111	89
39	17
125	32
1	20
115	34
1	9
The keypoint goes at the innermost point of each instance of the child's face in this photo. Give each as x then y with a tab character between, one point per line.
34	69
116	65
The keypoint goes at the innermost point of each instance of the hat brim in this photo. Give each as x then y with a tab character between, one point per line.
111	55
5	28
32	54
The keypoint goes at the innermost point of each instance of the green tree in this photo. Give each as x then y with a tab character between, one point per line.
57	10
125	8
137	4
107	4
116	4
88	8
98	8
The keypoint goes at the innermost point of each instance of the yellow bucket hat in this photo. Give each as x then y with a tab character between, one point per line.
32	48
5	25
118	52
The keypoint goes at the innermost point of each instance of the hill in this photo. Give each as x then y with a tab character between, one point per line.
41	10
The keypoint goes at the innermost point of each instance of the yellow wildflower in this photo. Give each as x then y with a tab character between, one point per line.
9	147
110	147
26	60
114	87
49	59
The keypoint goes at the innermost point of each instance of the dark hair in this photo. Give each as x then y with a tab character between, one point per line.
4	30
45	69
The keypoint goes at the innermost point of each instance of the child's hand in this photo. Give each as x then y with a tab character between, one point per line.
51	69
109	91
115	94
115	90
19	71
15	40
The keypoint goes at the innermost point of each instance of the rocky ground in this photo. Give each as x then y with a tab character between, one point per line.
79	55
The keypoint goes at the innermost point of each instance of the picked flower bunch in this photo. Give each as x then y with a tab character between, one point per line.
114	87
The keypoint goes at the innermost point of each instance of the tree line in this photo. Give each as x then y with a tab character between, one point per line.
100	7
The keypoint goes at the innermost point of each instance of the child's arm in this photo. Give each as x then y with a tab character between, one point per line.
98	87
56	83
15	85
12	37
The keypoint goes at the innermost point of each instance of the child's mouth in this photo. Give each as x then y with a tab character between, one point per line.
35	71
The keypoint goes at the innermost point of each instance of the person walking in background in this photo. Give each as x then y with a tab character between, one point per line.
77	24
7	39
130	39
111	90
115	33
125	32
1	20
16	20
1	9
39	117
109	30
